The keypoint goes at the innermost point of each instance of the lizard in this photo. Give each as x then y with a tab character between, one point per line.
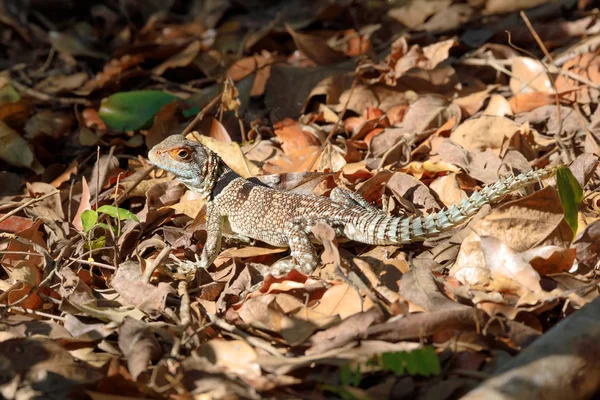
284	219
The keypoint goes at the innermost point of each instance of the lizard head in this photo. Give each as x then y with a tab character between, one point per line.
189	161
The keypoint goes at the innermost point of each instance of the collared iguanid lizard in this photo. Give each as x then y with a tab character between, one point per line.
285	219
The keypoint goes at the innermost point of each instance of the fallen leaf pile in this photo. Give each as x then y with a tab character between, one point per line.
414	105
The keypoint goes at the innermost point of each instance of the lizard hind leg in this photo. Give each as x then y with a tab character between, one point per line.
304	257
349	198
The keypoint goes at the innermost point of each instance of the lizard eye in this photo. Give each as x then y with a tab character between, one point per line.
181	154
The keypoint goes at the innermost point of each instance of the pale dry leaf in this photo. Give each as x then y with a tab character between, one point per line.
529	75
236	356
343	300
498	132
498	106
230	153
448	189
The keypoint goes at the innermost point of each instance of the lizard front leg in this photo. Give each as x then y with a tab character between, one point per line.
214	229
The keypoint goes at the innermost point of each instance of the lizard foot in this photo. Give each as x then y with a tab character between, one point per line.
283	267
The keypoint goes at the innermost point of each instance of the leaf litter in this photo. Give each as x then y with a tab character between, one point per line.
413	105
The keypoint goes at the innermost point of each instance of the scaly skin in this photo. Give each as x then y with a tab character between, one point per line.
284	219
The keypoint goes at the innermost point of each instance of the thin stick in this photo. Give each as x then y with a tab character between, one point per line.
47	98
152	265
33	312
201	115
30	202
94	263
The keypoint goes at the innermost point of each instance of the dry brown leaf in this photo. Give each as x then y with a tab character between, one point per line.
530	221
182	59
128	282
342	300
236	356
525	102
448	189
499	131
473	102
60	83
259	64
139	345
587	66
315	48
293	137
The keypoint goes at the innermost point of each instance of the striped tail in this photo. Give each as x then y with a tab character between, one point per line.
411	229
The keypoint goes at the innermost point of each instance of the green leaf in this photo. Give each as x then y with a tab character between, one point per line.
570	193
422	361
108	227
88	219
128	111
120	213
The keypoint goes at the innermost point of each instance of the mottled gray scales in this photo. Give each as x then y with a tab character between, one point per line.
284	219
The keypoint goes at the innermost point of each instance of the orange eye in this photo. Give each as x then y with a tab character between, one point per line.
181	154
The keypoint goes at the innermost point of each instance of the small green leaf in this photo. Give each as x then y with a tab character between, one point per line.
108	227
120	213
571	194
422	361
88	219
128	111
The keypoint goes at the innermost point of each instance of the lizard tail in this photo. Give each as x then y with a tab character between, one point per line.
400	230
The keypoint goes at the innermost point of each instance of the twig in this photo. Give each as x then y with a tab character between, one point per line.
36	94
139	179
201	115
30	202
93	263
184	307
152	265
33	312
